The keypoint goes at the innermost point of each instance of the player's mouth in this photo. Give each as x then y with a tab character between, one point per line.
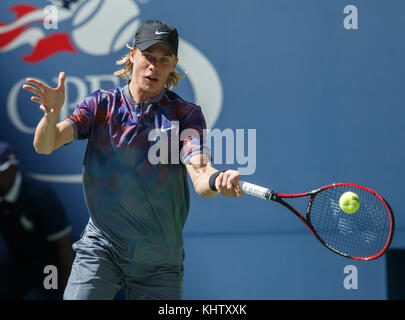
151	79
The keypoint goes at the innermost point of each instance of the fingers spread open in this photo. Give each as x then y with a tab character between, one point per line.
61	79
32	89
37	83
36	99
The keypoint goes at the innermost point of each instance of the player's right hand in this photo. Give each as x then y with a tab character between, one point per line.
227	184
50	99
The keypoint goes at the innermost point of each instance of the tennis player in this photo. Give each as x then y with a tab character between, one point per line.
137	209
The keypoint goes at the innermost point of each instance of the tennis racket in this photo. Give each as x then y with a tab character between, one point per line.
363	235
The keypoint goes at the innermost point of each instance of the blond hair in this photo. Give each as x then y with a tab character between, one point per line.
171	82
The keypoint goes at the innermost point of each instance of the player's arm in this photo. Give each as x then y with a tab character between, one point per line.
50	134
200	170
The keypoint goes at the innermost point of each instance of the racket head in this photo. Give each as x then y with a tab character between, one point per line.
363	235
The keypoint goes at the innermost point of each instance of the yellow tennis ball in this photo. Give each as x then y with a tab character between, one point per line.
349	202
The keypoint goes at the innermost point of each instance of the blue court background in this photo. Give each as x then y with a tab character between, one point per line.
327	104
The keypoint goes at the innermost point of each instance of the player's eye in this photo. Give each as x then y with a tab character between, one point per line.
165	60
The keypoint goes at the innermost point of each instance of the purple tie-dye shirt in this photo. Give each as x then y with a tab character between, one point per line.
139	207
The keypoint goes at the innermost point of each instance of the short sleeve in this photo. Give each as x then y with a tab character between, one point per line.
193	136
83	116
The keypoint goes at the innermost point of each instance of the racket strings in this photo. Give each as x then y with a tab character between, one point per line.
364	233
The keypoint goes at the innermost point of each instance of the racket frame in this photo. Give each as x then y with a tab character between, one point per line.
278	197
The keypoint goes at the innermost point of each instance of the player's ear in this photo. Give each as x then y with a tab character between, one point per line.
175	64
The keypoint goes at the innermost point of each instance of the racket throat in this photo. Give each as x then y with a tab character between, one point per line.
271	195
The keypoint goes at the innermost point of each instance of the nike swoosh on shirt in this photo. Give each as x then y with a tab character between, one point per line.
166	124
167	129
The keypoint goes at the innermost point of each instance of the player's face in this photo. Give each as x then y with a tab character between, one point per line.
152	67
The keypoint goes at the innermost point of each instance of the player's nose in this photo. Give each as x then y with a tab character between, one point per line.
153	67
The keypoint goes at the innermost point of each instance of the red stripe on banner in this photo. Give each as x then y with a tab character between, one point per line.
22	9
8	37
55	43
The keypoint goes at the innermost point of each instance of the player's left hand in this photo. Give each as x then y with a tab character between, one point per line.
227	184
